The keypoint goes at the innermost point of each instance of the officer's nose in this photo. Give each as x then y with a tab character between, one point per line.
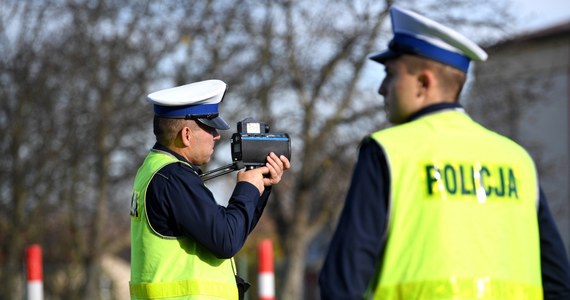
382	89
216	135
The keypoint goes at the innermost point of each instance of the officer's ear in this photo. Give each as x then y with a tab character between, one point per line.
186	135
425	80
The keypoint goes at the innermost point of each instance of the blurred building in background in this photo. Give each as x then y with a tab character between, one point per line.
523	92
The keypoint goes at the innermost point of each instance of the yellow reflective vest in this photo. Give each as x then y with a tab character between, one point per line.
462	213
171	268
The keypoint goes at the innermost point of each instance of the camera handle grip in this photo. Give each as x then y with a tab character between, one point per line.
222	170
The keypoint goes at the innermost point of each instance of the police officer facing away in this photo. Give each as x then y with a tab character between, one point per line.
182	242
440	207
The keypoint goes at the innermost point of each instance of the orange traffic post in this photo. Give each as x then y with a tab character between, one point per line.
266	275
34	269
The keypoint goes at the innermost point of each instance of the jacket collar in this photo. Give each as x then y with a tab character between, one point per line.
433	109
158	146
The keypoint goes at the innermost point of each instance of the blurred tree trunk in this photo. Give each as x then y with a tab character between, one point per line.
74	77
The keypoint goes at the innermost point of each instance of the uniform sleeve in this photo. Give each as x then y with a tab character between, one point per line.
356	247
260	207
553	257
179	204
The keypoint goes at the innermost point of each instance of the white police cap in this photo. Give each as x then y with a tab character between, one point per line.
198	101
417	35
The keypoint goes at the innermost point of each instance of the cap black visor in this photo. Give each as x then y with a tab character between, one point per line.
217	122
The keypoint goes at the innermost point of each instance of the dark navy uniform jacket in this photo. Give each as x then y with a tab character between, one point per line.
356	249
179	204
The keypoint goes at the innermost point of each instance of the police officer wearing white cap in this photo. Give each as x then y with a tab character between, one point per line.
182	242
440	207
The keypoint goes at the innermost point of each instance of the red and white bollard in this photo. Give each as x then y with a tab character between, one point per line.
266	275
34	269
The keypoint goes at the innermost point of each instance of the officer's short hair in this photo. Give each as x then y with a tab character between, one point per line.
166	129
451	79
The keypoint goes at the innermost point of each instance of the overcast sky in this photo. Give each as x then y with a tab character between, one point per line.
543	13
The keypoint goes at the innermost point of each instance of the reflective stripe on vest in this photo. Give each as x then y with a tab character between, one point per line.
462	222
453	288
168	267
161	290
